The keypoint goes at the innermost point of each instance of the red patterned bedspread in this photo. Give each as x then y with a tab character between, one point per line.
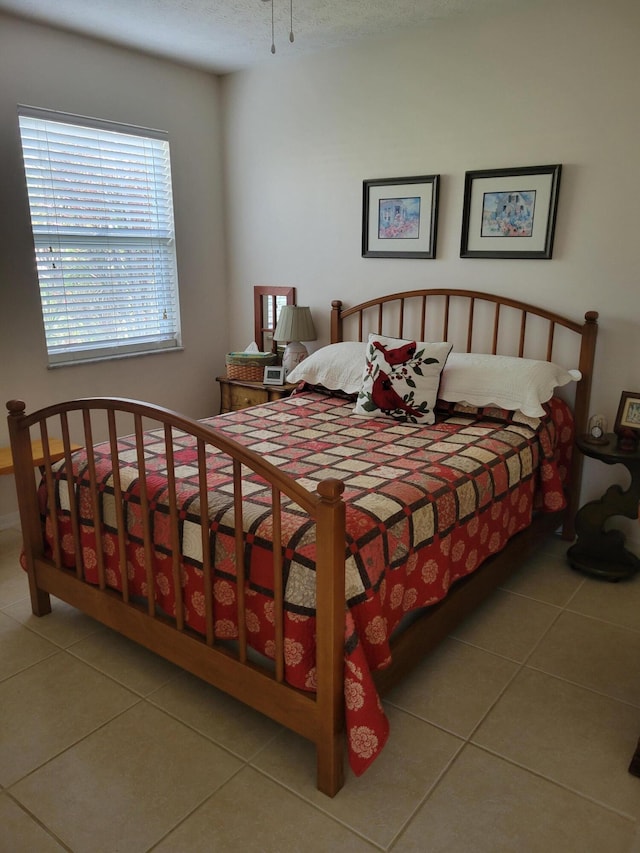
425	506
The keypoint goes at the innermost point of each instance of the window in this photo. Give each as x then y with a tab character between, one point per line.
267	302
102	217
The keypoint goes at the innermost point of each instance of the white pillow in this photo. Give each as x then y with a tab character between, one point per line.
501	380
401	379
337	367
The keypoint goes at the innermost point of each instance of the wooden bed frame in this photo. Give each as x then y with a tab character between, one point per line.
318	717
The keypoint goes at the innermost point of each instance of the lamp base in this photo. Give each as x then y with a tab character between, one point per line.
294	353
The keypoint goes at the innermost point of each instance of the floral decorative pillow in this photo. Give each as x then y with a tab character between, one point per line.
401	379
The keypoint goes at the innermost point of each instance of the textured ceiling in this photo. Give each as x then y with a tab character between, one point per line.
227	35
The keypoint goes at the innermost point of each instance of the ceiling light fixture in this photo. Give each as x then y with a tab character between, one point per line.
291	37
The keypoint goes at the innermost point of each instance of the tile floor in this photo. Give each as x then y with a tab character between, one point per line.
515	736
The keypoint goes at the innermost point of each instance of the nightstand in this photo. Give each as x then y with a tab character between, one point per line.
597	551
236	394
56	451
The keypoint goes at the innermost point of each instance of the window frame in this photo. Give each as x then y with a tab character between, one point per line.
110	258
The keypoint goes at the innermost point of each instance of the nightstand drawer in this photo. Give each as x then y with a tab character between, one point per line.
236	394
240	397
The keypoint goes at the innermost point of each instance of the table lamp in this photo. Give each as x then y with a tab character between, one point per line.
294	325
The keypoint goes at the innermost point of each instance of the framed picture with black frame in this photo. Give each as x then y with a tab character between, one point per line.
510	213
400	217
627	425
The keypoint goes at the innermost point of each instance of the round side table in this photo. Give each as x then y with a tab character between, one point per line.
597	551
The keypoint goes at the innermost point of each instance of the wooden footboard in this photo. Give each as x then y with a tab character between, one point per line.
319	716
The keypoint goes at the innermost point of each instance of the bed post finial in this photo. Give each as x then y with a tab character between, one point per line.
330	489
336	321
16	407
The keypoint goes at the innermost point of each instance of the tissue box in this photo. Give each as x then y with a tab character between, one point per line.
249	365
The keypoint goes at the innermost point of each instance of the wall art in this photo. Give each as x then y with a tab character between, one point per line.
399	217
510	213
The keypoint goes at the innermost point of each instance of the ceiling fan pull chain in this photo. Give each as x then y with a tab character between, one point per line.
273	40
273	29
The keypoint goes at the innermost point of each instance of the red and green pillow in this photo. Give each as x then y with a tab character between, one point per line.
401	379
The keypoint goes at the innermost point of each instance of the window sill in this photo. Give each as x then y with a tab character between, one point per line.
112	357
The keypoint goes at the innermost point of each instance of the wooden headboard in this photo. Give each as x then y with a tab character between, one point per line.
482	322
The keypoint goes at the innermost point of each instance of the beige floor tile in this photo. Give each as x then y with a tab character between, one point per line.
19	647
569	734
125	661
454	687
380	801
128	784
555	545
487	805
271	820
13	580
63	626
580	738
613	602
20	833
546	577
507	624
10	541
592	653
49	707
217	716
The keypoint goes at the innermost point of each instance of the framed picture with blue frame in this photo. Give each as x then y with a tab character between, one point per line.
510	213
400	217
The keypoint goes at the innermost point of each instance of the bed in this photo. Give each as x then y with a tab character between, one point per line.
303	558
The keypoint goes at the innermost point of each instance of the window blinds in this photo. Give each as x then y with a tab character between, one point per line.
102	217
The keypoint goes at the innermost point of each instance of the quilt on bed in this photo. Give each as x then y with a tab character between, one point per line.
425	507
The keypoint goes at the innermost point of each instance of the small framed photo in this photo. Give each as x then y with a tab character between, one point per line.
510	213
273	375
628	418
400	217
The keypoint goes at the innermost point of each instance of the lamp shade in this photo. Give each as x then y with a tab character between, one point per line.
294	324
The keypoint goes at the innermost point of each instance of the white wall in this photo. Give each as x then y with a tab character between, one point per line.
46	68
554	82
